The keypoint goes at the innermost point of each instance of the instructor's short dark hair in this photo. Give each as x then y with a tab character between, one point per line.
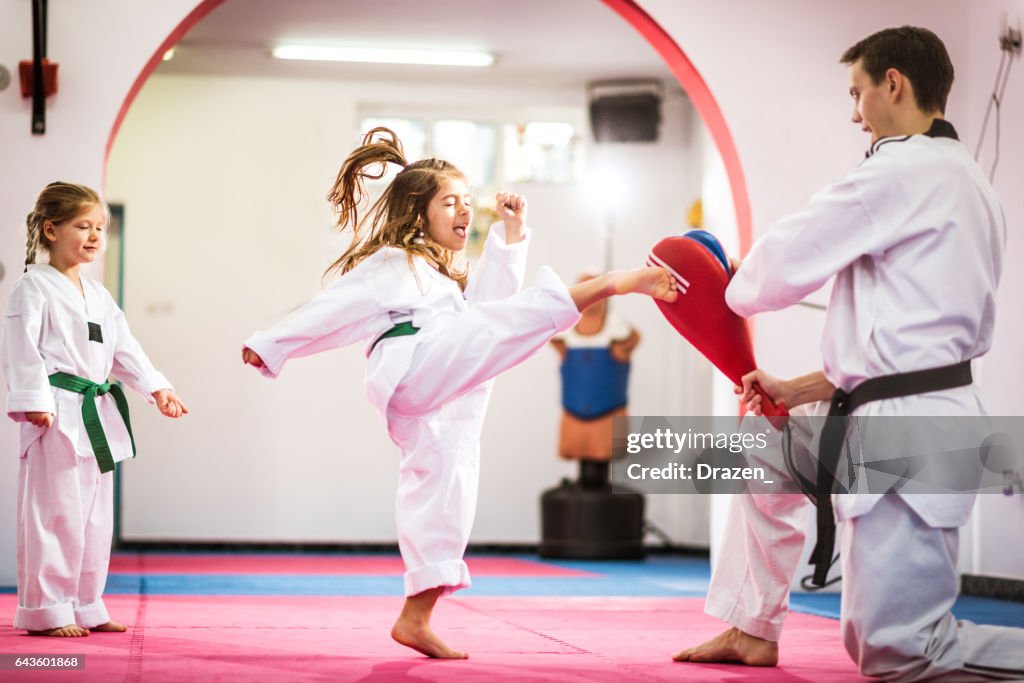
917	53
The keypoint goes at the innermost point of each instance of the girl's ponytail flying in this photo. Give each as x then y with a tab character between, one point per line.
398	216
369	160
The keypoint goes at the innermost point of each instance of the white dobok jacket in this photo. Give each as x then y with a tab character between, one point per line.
47	330
914	237
381	291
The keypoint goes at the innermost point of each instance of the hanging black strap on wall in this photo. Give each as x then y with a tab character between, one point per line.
39	8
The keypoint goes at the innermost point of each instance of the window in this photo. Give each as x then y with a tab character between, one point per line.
545	152
541	152
536	151
412	133
469	145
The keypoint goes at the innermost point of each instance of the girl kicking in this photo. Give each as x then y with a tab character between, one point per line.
435	338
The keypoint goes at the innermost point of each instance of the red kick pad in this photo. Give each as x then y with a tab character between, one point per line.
700	313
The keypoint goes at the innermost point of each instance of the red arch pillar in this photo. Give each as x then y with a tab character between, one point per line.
697	89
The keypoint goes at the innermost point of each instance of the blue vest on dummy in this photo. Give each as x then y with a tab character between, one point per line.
593	382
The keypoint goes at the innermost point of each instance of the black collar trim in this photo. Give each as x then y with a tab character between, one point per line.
940	128
884	141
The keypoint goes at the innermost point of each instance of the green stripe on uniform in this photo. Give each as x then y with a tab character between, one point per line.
399	330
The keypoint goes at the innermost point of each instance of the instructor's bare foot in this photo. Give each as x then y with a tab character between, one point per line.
420	638
110	627
733	646
69	631
656	282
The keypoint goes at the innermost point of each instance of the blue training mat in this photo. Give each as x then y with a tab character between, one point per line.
712	244
656	576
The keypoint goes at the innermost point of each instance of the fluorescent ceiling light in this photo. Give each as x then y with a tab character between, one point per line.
169	55
383	55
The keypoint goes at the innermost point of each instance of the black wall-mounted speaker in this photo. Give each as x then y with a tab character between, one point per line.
632	117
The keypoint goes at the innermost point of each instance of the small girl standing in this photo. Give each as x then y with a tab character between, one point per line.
435	338
63	335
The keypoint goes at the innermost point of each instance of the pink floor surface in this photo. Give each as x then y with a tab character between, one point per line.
522	639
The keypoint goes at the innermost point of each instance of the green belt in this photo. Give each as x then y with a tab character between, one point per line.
91	416
399	330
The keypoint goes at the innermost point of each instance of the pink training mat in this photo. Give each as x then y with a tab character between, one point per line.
289	639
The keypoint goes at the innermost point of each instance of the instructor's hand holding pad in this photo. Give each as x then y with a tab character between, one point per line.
702	272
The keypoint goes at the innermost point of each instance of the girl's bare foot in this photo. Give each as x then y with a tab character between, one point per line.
412	628
69	631
733	646
110	627
421	638
655	282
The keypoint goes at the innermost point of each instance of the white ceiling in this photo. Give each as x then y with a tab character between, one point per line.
537	42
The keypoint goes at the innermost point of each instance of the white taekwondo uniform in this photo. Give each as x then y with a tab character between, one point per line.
65	505
914	237
430	388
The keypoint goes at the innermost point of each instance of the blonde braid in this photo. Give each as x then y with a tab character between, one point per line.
34	235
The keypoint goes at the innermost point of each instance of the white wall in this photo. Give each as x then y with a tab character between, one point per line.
771	66
992	544
101	47
223	181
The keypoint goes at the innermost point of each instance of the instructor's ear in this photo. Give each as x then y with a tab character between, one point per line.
895	80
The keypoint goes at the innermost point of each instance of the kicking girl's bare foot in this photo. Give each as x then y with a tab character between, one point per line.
69	631
110	627
421	638
655	282
733	646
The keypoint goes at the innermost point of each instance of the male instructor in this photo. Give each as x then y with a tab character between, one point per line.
914	236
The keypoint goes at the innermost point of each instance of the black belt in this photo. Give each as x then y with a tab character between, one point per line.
834	433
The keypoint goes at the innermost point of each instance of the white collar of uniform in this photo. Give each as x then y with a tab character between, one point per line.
50	270
46	270
940	128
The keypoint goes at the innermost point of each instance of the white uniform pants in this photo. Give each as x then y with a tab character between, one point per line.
65	525
899	583
436	416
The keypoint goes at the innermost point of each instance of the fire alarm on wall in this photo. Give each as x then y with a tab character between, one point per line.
49	77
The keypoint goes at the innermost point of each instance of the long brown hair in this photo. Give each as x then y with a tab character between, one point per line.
397	217
57	203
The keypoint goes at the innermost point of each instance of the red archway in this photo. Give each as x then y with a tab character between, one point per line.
699	93
193	18
688	77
